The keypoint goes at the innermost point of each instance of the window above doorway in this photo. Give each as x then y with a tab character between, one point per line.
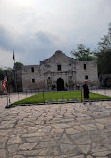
58	67
86	77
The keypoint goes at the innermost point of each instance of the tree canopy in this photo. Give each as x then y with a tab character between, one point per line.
1	74
103	53
18	65
82	53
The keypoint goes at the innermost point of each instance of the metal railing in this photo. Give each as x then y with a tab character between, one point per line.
12	97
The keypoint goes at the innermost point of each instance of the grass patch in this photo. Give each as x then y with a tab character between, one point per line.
42	97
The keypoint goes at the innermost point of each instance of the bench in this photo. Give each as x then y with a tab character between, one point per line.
50	101
62	100
74	99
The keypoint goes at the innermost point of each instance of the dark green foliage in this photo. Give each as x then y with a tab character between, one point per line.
104	53
104	62
82	53
6	72
1	74
18	65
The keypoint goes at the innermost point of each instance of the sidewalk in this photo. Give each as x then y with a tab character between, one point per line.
13	98
103	92
55	131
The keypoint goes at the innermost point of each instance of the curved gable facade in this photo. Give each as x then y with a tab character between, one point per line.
59	72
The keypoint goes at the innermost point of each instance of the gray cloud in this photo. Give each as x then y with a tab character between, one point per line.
36	29
5	38
31	48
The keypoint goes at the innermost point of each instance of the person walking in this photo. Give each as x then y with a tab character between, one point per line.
86	92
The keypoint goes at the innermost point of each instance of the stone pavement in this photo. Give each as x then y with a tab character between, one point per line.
106	92
55	131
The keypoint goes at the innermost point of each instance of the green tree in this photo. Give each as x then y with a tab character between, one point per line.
7	72
18	65
1	74
103	53
82	53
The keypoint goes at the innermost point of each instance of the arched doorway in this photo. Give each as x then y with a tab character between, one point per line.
60	84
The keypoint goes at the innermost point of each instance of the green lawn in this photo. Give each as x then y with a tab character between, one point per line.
42	97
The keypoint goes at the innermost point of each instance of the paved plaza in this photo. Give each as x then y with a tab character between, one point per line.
70	130
103	92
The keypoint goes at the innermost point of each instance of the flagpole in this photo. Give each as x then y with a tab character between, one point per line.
14	72
14	57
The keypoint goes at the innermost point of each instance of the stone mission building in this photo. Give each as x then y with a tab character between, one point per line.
59	72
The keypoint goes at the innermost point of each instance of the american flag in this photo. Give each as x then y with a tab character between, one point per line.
4	82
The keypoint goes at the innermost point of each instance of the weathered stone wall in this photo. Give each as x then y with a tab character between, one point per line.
90	71
59	70
28	76
18	79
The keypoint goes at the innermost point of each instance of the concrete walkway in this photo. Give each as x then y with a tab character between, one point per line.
55	131
103	92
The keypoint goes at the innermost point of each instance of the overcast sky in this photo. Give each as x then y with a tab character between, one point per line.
35	29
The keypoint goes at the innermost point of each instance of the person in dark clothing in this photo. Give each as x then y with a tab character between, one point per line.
86	92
